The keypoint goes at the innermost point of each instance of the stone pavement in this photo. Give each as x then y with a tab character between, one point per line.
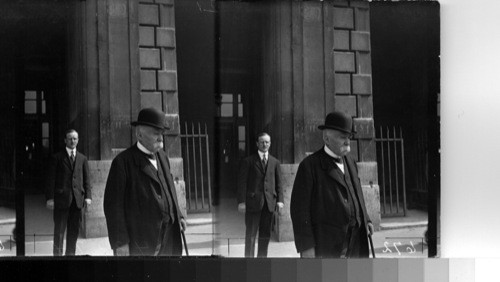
218	233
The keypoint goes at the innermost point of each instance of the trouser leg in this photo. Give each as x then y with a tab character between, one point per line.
264	231
167	240
354	247
74	222
60	221
252	225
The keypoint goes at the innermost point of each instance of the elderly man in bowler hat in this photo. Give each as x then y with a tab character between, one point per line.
140	202
327	207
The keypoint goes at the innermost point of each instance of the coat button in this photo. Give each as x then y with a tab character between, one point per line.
345	201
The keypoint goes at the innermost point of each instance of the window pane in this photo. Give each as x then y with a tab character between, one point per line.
45	143
227	98
30	95
240	110
30	107
241	148
45	130
43	107
226	110
241	133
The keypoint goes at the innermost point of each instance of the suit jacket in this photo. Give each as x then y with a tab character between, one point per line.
63	181
131	205
255	183
319	208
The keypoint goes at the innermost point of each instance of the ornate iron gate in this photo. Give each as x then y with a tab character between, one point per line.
196	156
391	171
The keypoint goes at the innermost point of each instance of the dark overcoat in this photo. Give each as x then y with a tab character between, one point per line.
319	208
256	183
63	181
131	205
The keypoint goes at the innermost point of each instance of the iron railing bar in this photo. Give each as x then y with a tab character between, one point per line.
188	165
403	169
417	158
201	169
195	171
396	169
390	171
383	170
208	171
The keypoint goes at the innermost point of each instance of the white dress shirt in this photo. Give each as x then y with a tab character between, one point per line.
332	154
146	151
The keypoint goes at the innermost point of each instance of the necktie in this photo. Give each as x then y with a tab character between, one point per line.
264	161
72	158
149	156
337	160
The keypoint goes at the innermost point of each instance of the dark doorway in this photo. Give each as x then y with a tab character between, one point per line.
219	49
33	54
405	63
35	80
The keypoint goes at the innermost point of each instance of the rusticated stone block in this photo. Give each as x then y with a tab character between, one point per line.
354	149
148	14
360	41
148	80
342	83
172	102
364	128
362	84
341	3
367	150
288	173
367	172
362	19
94	220
149	58
167	80
169	59
346	104
344	62
150	99
364	62
176	167
365	106
180	190
165	37
167	16
166	2
172	121
343	18
371	193
341	40
360	4
173	146
147	36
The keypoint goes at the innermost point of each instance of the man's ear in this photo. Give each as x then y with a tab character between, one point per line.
325	137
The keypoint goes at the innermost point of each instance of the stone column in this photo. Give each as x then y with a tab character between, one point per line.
132	64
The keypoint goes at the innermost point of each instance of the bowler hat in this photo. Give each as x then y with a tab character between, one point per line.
338	121
151	117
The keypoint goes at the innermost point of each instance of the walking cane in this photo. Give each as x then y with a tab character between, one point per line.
371	244
185	243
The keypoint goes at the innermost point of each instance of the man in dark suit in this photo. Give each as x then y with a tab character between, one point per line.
140	202
68	191
259	192
327	207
